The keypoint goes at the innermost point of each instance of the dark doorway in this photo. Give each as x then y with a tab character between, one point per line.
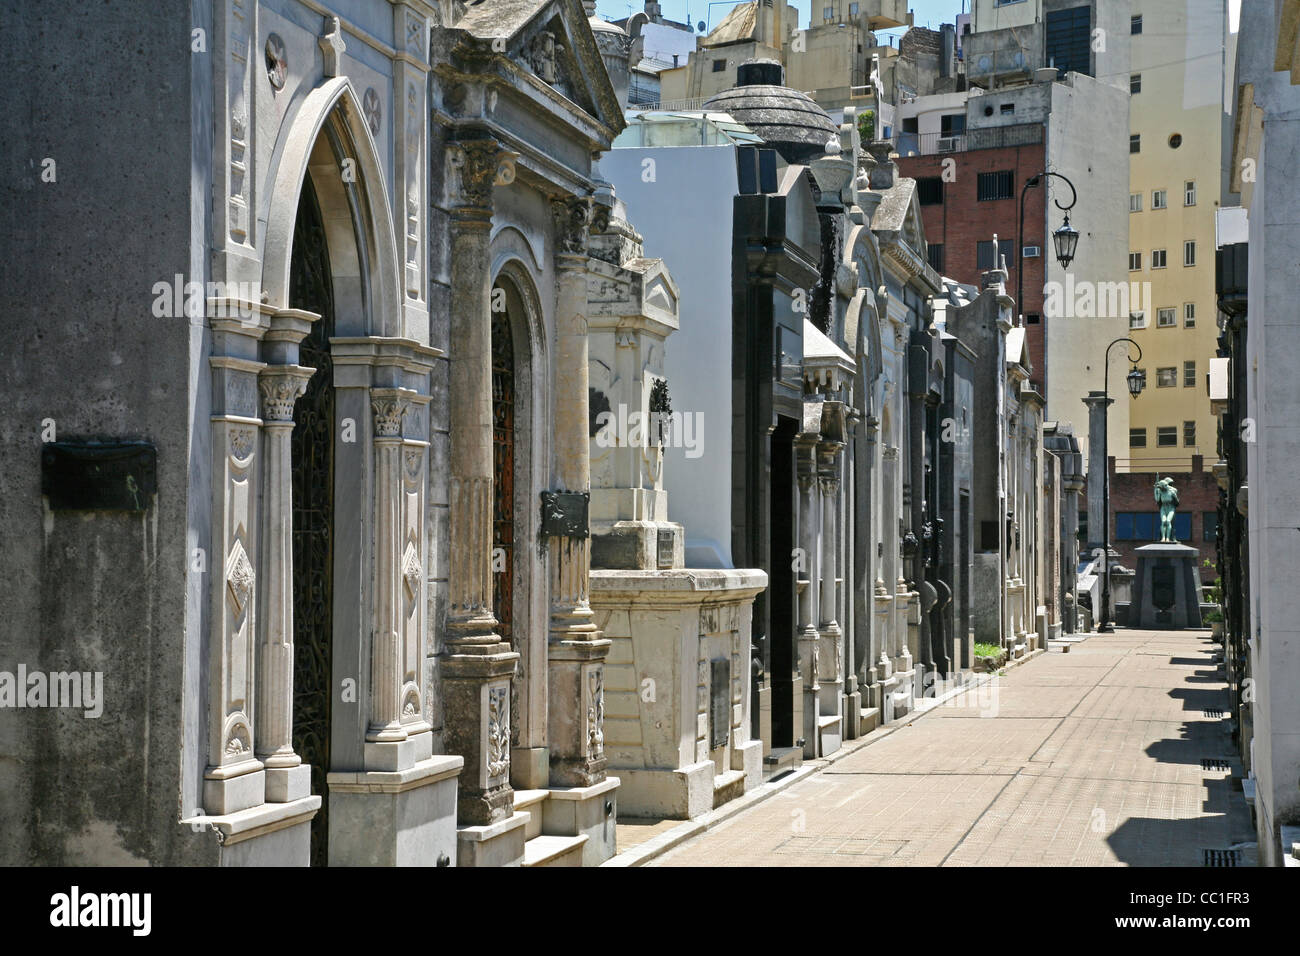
313	511
781	583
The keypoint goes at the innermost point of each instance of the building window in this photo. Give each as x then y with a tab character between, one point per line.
1135	25
929	190
1209	525
853	9
1136	320
952	124
719	66
1136	525
1159	199
934	252
1159	258
1189	434
1189	193
1006	108
1189	374
1135	82
1189	252
1137	438
1165	319
1134	202
1135	143
1167	437
1135	262
1166	377
828	13
1189	315
999	185
1068	39
984	254
1033	318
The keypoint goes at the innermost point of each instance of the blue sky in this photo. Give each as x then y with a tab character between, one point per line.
927	12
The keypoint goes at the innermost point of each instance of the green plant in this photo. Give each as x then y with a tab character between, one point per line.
867	125
987	650
1213	617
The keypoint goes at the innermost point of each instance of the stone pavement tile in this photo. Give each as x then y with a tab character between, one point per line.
1092	758
975	745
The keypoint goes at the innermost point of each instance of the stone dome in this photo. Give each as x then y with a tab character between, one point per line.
786	119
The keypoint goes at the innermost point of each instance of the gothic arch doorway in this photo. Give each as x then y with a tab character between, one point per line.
311	288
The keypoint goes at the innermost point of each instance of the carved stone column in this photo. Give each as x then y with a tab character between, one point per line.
810	508
287	777
576	651
479	665
828	625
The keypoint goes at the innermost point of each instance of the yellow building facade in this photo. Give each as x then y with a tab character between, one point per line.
1175	175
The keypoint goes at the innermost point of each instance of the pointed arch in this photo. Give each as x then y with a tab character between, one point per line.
331	114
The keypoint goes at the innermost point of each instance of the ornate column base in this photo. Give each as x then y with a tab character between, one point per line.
476	700
575	719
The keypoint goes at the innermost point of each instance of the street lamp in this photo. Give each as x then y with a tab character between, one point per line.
1137	380
1065	239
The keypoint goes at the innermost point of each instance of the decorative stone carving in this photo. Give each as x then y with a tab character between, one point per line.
479	165
277	63
573	224
544	56
240	577
241	443
498	735
415	34
411	569
332	46
596	711
279	392
372	110
388	416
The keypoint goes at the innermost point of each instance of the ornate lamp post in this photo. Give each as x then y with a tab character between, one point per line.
1065	239
1137	379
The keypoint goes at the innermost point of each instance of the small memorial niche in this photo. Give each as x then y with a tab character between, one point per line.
99	475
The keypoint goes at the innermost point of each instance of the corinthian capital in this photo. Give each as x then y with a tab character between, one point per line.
280	387
389	407
479	164
573	220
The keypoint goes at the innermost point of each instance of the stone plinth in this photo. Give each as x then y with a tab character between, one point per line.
1166	588
678	664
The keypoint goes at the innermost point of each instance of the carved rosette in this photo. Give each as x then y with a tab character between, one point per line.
573	222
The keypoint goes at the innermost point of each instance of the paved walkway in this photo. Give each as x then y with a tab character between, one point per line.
1091	758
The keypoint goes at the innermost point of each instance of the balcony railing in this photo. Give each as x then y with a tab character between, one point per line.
993	137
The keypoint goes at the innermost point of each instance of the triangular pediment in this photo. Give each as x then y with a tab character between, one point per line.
552	41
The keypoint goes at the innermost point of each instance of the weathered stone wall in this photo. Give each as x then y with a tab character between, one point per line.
107	101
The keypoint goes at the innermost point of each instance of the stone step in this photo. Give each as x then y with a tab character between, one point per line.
531	802
554	850
782	760
727	786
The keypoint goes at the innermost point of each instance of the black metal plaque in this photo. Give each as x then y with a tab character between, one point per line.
564	514
99	476
719	702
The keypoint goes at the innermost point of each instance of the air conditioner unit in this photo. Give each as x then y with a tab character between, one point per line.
947	144
1032	252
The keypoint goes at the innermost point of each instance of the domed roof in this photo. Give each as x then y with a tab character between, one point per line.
786	119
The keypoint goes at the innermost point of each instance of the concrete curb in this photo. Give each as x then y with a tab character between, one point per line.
643	853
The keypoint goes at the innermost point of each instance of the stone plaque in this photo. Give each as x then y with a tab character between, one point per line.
719	702
99	476
666	540
564	514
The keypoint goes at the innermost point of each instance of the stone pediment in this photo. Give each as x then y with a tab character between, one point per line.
552	41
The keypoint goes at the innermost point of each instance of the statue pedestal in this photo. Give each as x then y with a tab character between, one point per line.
1166	588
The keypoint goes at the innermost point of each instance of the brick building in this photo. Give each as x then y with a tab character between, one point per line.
1135	516
977	198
